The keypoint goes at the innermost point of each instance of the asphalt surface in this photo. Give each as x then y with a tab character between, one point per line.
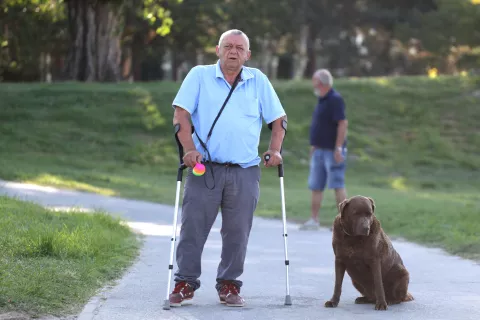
444	287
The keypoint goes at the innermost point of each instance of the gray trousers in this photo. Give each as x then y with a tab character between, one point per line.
236	193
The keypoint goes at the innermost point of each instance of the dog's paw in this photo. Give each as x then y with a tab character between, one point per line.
331	304
363	300
381	305
408	297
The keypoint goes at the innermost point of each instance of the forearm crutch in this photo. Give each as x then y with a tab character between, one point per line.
288	299
181	167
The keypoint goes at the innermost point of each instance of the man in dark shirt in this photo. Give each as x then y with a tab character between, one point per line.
328	143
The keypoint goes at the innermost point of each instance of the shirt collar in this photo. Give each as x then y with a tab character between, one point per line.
330	92
246	73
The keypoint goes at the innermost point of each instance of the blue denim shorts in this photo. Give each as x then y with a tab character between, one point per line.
324	169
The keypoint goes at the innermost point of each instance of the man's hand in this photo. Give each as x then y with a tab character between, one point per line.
191	158
312	149
278	133
275	158
338	156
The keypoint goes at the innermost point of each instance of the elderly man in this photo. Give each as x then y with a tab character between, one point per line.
231	181
328	142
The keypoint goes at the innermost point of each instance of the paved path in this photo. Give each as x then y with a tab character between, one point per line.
444	287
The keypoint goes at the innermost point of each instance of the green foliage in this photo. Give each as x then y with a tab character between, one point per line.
189	27
453	24
41	6
28	29
155	13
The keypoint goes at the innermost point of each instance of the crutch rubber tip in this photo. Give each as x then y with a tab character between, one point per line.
166	305
288	300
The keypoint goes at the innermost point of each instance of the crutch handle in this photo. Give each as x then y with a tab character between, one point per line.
280	170
280	166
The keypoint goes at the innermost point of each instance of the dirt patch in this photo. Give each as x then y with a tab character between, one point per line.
24	316
14	316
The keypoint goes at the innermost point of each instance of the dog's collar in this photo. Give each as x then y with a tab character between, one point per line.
343	228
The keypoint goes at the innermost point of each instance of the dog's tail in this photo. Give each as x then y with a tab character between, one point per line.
408	297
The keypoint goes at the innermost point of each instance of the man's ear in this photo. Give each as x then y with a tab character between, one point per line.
342	205
373	204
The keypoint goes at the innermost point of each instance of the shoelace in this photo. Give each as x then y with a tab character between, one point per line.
180	287
230	288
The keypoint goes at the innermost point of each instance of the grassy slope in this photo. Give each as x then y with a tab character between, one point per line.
53	262
414	147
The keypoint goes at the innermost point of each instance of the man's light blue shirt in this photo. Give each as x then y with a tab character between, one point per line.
236	135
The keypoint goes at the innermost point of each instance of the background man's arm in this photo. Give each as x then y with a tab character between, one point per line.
341	118
341	133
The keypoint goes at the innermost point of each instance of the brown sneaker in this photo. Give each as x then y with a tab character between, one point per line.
182	291
229	295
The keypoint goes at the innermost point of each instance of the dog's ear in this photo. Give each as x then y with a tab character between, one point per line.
341	206
373	204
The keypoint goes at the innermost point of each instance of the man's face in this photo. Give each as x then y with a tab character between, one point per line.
233	51
317	87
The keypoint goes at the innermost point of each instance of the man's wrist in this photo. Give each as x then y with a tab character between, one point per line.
338	149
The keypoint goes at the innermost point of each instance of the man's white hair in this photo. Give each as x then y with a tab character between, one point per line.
235	32
324	76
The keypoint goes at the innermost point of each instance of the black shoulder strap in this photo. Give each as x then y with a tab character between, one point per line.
237	79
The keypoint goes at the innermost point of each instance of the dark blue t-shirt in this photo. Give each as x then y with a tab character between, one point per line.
329	110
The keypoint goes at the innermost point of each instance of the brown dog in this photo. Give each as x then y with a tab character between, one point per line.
365	252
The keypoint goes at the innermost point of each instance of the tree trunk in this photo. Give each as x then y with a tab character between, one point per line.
386	57
95	51
167	65
265	55
181	71
6	36
41	65
274	67
176	61
301	56
200	57
127	64
451	64
128	35
311	65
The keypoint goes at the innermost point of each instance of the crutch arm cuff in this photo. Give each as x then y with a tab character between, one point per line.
284	125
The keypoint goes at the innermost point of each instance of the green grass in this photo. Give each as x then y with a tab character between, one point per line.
414	146
53	262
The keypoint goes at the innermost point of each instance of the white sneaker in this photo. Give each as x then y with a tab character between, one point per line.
310	225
